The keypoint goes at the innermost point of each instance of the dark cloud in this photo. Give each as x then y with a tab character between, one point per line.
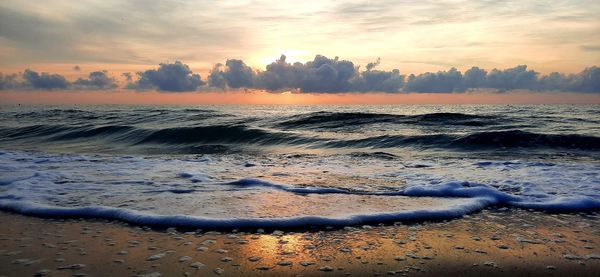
96	80
586	81
321	75
34	80
176	77
77	68
216	78
235	74
327	75
442	81
377	80
29	79
518	77
475	77
128	77
372	65
281	75
8	81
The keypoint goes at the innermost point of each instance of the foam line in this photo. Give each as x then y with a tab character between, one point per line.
148	219
452	189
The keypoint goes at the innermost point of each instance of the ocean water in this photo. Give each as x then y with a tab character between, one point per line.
296	166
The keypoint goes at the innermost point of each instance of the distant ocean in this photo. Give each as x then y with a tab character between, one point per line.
296	166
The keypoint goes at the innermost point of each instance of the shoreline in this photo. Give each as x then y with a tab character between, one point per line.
497	242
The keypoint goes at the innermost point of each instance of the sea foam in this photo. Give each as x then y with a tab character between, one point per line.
155	190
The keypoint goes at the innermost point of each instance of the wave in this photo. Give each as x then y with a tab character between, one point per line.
481	140
220	138
196	139
476	198
517	138
345	119
217	133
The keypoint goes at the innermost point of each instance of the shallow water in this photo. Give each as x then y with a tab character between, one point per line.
294	166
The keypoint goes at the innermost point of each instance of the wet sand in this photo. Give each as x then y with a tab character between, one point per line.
498	242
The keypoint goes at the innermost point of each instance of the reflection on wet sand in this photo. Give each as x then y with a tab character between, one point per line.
492	243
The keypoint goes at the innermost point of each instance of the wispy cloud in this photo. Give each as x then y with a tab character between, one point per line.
435	33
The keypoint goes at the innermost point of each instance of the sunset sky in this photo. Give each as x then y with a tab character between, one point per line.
75	38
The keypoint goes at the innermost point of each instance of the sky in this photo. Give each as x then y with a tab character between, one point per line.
182	46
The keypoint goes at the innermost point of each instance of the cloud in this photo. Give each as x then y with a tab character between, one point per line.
327	75
518	77
8	81
30	79
280	75
320	75
175	77
235	74
112	31
586	81
323	74
96	80
377	80
128	77
442	81
475	77
44	80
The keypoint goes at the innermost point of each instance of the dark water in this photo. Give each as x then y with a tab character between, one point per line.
290	166
220	129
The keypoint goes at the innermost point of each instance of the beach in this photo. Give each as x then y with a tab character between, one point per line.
496	242
299	138
284	191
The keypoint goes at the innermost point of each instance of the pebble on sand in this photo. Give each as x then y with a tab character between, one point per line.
492	264
593	256
571	257
326	268
254	259
184	259
305	263
42	272
72	266
197	265
156	257
284	263
153	274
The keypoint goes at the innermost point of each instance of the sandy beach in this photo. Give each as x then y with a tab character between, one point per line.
498	242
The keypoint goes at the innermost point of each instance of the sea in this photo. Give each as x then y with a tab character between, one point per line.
292	166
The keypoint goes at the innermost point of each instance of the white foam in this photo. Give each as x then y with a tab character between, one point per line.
219	192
